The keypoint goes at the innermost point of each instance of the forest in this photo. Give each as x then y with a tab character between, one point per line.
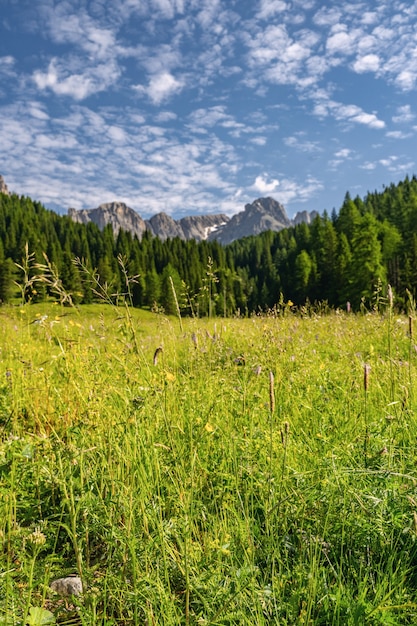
349	256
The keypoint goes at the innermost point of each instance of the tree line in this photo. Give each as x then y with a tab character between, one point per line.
338	258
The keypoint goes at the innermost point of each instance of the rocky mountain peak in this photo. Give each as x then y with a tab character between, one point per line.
164	226
3	186
118	214
304	217
161	225
261	215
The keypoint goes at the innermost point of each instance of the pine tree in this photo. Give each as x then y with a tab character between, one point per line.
366	268
170	280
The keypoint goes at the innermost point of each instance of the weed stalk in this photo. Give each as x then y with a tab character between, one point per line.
366	372
177	307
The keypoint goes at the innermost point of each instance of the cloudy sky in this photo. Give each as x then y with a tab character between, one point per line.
200	106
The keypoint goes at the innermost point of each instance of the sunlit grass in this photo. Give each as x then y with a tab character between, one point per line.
181	494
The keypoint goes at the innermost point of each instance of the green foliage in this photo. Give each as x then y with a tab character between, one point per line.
40	617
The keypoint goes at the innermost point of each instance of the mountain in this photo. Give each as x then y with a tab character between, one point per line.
119	215
3	186
304	216
263	214
202	226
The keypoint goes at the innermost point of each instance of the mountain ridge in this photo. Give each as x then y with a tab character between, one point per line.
261	215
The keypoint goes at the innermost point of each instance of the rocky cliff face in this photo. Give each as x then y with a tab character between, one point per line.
163	226
304	216
3	187
263	214
119	215
201	227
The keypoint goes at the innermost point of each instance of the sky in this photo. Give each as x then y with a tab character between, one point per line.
201	106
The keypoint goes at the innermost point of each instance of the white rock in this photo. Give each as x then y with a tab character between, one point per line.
68	586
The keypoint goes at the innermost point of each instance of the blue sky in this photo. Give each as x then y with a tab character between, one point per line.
200	106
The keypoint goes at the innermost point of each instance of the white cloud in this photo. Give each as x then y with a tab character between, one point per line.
398	134
344	153
206	118
290	191
269	8
346	112
37	110
262	185
327	16
342	42
341	156
368	119
168	8
279	58
75	85
404	115
369	166
369	17
407	79
117	134
208	13
7	65
367	63
393	163
259	141
161	87
67	25
166	116
301	144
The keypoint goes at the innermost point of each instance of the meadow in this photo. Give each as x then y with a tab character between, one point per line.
214	472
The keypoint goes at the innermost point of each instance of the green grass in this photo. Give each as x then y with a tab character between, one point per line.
182	494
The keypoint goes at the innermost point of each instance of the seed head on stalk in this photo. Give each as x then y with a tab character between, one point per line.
156	354
366	372
271	393
390	297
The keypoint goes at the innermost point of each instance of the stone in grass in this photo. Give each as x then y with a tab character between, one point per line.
68	586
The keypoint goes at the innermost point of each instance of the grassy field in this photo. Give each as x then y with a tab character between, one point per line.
241	471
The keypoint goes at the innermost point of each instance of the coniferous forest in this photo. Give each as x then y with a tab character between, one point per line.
344	257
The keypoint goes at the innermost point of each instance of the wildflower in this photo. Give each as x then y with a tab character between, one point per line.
37	538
